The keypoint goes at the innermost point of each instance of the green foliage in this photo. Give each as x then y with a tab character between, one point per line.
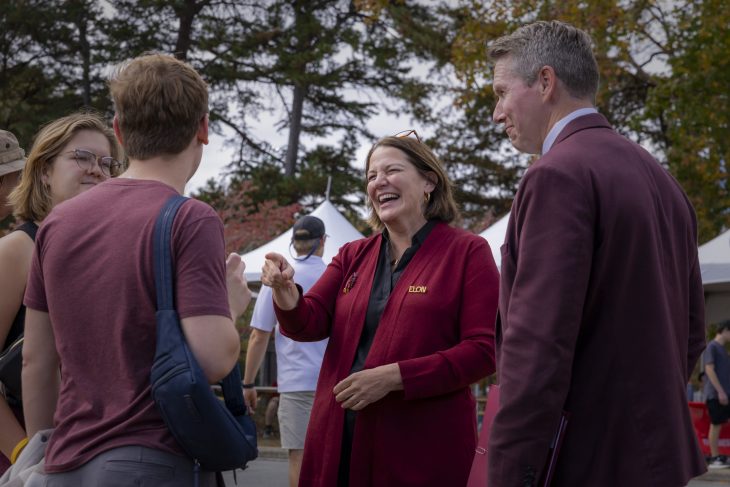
258	203
51	58
321	54
692	109
484	178
664	77
663	65
309	184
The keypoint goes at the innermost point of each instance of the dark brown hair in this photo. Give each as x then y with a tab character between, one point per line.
441	205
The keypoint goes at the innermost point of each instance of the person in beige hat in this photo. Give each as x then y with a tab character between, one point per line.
12	161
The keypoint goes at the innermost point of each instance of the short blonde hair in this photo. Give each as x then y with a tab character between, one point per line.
441	205
159	102
31	199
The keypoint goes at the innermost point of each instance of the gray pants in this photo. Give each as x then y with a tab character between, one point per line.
135	466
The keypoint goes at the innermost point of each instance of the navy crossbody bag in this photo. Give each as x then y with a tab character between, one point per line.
218	435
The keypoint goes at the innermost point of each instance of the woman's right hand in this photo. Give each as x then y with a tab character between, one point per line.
279	276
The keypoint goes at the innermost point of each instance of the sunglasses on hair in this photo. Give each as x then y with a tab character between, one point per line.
408	133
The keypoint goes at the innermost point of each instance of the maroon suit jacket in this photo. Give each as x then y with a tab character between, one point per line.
601	313
438	325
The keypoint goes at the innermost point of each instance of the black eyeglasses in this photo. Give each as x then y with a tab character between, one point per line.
408	133
86	159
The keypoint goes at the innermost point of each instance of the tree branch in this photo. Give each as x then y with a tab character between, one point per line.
216	117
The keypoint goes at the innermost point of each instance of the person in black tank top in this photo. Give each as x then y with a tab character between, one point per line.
16	250
69	156
16	329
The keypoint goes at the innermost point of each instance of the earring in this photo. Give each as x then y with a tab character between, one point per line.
426	197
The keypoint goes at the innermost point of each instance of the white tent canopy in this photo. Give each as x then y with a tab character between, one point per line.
495	237
339	231
715	265
717	250
714	262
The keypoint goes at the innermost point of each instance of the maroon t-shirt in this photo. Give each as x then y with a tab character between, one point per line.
93	273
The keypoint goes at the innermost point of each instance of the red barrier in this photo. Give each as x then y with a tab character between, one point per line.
701	423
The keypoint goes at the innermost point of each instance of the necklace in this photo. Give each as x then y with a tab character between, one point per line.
394	262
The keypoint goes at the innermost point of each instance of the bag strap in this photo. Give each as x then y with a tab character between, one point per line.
231	384
233	393
163	254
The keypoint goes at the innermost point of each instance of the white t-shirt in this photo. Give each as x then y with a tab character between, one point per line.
297	363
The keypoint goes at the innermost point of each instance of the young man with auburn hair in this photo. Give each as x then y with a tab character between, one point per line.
91	293
600	279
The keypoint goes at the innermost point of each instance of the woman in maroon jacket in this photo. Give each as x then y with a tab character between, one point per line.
410	314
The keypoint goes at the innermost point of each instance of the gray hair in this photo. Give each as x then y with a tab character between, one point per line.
561	46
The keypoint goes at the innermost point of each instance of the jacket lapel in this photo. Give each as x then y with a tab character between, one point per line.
362	266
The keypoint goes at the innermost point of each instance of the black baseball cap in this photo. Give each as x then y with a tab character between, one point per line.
308	228
723	325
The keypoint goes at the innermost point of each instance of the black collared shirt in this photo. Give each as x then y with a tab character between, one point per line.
385	280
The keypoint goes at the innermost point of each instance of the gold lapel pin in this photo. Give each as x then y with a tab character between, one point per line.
350	282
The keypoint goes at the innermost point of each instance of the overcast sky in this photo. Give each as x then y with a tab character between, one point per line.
216	155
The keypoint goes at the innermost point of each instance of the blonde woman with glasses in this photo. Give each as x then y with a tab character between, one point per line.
69	156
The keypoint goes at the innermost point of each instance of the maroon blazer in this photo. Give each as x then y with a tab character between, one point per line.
601	313
438	325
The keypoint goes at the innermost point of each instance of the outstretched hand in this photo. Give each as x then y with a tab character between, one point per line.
279	276
239	295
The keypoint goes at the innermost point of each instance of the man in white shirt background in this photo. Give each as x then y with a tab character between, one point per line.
297	363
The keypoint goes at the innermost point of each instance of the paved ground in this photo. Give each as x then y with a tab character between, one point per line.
270	470
713	478
696	483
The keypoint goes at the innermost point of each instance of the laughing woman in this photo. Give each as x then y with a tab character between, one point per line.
410	315
69	156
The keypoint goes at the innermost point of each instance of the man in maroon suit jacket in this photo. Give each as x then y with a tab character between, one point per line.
601	306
